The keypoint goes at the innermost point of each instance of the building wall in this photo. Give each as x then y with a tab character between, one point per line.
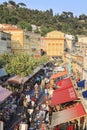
34	43
43	43
82	39
69	44
77	63
81	48
69	39
85	74
16	36
5	42
54	44
16	33
68	58
22	41
85	63
31	44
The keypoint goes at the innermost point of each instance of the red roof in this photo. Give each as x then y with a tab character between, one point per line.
68	114
65	83
63	95
60	74
6	27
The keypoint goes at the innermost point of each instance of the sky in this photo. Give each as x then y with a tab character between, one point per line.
78	7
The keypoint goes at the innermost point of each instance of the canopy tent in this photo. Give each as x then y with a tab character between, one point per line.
65	83
2	72
60	74
4	94
81	83
68	114
58	69
84	94
63	95
18	79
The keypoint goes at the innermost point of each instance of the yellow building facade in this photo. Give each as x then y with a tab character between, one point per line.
54	44
16	33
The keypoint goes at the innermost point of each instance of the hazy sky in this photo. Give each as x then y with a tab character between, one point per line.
76	6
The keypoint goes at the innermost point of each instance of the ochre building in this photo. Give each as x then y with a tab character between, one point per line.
53	44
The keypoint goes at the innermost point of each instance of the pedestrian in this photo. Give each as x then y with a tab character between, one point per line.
16	127
46	110
28	98
43	126
25	106
28	118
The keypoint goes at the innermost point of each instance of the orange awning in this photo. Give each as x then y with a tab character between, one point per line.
60	74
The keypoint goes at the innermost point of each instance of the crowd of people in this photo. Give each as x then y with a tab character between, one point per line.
35	101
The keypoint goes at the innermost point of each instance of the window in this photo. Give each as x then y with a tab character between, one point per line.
3	38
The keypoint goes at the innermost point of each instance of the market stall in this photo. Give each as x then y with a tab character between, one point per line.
17	82
18	79
4	94
64	83
62	96
65	93
58	76
68	114
7	106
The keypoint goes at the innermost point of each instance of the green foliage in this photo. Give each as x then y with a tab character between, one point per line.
45	30
24	25
19	15
37	31
2	62
5	59
21	64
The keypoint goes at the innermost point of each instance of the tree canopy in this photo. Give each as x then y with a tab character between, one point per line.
21	64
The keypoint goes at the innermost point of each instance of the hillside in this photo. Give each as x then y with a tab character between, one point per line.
18	14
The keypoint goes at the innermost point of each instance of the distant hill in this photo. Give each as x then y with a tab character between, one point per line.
20	15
